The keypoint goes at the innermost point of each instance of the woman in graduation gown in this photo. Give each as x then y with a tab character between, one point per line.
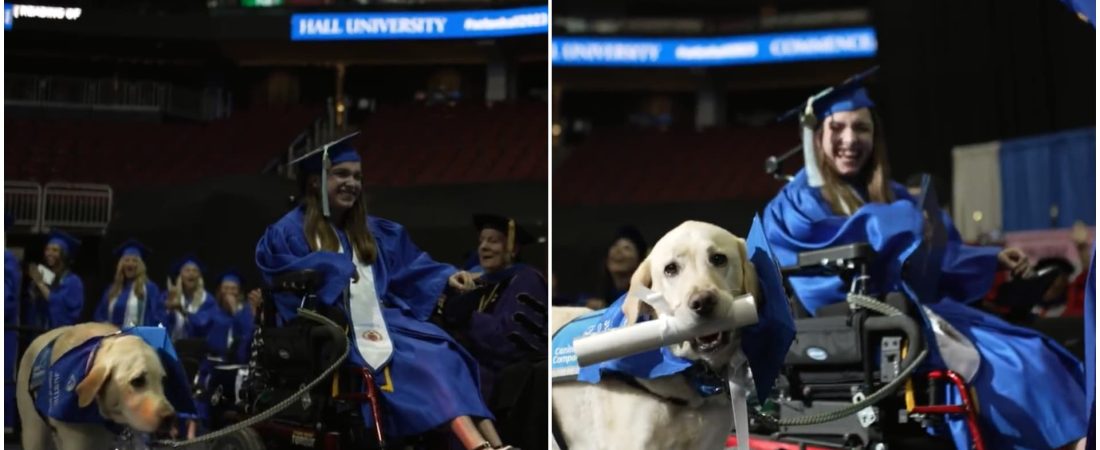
12	278
187	302
228	333
432	381
1029	389
56	293
132	299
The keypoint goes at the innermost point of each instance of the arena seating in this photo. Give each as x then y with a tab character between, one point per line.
451	145
467	143
130	154
631	166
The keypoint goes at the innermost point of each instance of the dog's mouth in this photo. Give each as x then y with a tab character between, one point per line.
710	342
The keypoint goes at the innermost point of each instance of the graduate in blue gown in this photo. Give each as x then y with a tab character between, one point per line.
428	380
132	299
56	294
12	278
503	322
1030	390
187	303
228	334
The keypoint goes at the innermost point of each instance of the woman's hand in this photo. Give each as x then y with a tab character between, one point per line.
1015	260
463	281
173	301
36	279
255	300
232	301
33	273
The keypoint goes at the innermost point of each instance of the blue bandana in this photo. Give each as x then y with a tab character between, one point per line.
53	386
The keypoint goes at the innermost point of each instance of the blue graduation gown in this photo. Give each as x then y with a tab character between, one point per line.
1090	349
63	307
12	277
154	306
1015	413
433	379
193	325
218	325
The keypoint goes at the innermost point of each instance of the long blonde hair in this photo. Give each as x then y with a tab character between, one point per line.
355	225
875	174
200	289
120	279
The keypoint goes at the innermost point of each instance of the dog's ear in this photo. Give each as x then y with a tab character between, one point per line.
633	305
749	282
91	384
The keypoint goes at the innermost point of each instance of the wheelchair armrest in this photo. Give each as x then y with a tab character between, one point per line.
299	282
832	258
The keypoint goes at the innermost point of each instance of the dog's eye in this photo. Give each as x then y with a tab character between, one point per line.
138	382
672	269
718	260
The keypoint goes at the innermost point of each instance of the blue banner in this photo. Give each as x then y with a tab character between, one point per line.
419	25
7	17
841	43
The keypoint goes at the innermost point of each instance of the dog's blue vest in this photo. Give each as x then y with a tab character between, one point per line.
53	386
646	365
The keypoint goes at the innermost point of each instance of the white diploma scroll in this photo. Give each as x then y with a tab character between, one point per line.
667	329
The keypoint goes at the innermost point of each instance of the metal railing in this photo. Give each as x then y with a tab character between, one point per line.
323	129
72	206
115	94
77	205
23	200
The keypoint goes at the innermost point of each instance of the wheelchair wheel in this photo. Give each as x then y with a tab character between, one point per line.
246	439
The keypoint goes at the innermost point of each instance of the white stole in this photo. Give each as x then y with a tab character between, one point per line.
372	339
131	317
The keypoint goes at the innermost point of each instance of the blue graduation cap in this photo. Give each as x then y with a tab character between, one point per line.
231	276
132	248
847	96
68	244
176	387
321	159
187	260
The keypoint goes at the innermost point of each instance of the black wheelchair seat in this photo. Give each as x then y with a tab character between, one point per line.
299	283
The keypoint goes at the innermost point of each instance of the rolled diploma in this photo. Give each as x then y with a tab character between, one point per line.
665	330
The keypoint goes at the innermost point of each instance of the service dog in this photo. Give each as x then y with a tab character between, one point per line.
696	265
125	380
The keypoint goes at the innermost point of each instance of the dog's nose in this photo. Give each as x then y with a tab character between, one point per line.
166	412
702	303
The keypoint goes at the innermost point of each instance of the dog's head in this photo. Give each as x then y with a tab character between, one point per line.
700	267
127	380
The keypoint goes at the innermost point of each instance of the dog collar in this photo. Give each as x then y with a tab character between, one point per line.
705	380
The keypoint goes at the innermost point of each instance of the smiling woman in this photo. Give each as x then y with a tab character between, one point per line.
385	288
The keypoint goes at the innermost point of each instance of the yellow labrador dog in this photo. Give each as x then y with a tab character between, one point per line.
125	380
697	266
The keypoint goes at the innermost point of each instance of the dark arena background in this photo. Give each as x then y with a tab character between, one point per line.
172	123
651	141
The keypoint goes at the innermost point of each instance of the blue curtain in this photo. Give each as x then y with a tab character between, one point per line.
1039	172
